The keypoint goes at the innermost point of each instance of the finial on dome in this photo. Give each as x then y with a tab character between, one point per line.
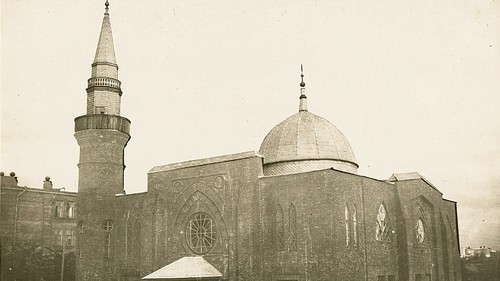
303	97
107	6
302	84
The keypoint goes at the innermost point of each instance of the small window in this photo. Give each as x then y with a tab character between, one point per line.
391	277
292	212
69	237
81	226
58	237
71	209
100	110
418	277
60	209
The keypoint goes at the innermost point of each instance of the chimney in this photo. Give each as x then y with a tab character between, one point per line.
7	181
47	184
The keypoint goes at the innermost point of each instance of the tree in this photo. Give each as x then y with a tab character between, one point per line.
28	262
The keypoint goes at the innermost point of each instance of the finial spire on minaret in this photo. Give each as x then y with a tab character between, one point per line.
107	7
104	88
303	97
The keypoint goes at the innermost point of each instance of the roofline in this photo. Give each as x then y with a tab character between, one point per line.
327	169
39	190
130	194
448	200
205	161
420	177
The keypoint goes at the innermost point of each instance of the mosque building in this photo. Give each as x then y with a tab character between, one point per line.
295	210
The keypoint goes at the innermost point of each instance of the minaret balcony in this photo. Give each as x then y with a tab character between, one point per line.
102	121
104	82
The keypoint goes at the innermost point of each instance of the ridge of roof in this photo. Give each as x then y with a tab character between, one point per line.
204	161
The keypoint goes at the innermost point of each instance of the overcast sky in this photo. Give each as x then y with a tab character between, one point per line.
413	85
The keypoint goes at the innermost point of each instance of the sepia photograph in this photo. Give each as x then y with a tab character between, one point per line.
266	140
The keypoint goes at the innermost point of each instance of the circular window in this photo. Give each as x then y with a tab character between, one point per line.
420	231
107	225
201	233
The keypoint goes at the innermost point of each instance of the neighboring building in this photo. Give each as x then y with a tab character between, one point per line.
36	221
482	251
481	264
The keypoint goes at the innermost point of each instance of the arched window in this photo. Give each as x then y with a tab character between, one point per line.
138	237
420	231
107	226
420	225
280	229
347	232
382	224
130	236
292	213
354	226
81	228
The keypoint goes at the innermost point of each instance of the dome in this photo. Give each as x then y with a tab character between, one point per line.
306	142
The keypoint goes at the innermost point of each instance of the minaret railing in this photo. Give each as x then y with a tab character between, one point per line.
102	121
104	82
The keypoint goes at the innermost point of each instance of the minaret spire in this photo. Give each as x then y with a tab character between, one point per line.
303	97
105	52
104	88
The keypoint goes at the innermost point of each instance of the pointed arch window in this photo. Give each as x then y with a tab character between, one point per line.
420	226
354	226
280	229
137	233
347	230
292	213
382	225
81	228
129	237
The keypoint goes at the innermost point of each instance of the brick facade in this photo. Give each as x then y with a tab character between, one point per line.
36	218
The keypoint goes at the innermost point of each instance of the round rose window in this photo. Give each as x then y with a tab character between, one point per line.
201	233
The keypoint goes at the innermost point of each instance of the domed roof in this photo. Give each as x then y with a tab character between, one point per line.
306	142
305	136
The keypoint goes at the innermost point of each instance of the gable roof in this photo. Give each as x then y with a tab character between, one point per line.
185	268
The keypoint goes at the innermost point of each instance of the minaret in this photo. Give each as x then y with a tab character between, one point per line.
303	97
102	135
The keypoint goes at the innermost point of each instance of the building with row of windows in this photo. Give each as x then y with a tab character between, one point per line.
35	219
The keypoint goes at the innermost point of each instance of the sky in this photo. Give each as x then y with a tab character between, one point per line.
413	85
